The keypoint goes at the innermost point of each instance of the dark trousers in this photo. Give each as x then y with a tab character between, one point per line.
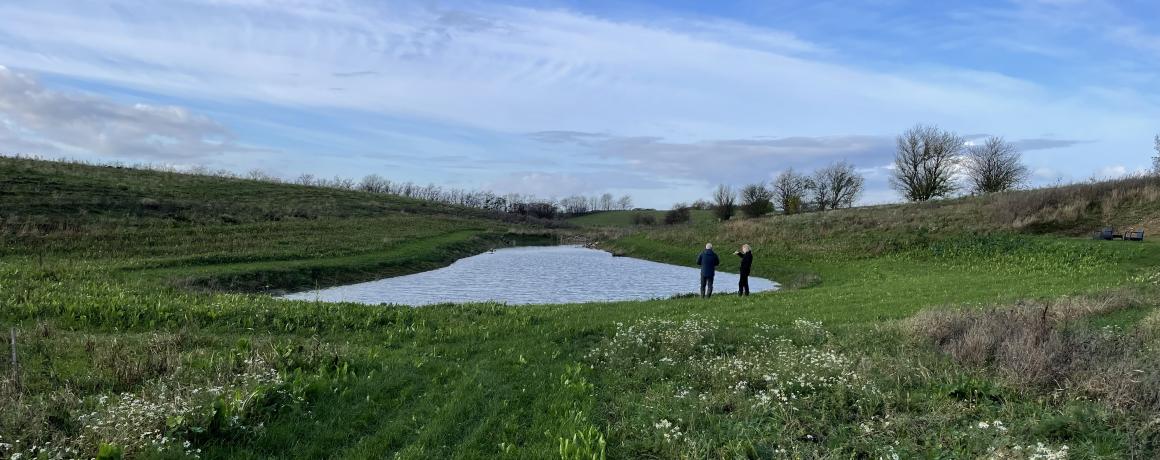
706	286
743	285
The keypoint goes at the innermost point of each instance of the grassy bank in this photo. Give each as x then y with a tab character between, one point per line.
140	334
628	218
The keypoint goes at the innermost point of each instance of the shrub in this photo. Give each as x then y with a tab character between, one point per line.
756	200
641	218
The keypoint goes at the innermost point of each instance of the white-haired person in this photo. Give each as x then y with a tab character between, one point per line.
746	256
708	261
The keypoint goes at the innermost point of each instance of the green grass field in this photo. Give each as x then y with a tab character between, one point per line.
144	334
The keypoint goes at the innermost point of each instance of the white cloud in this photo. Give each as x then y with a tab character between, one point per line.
517	69
43	121
1118	171
1112	172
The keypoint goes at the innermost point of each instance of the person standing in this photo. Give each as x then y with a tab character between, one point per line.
746	256
708	261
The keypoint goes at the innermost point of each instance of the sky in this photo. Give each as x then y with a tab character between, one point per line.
660	100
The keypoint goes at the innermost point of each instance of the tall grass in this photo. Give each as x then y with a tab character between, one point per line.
1040	346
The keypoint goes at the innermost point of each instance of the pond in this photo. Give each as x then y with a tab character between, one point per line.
536	275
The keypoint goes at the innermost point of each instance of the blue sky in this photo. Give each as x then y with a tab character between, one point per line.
658	100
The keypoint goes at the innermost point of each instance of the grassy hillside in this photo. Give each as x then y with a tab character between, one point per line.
625	218
45	194
964	329
232	234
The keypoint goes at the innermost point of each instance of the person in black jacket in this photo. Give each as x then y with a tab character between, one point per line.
746	256
708	261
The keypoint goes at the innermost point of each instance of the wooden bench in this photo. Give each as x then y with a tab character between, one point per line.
1137	235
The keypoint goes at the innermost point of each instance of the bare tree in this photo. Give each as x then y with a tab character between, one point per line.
373	183
259	175
624	203
836	186
606	202
994	166
925	162
304	179
198	170
1156	159
574	204
789	191
756	200
724	202
343	183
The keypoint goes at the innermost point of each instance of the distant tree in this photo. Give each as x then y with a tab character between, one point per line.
724	202
701	204
624	203
678	215
197	170
994	166
373	183
304	179
836	186
574	205
789	191
1156	159
542	209
606	202
925	163
259	175
756	200
343	183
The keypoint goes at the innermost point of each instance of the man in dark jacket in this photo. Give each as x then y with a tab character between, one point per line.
746	256
708	261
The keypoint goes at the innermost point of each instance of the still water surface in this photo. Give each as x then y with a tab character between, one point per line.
535	275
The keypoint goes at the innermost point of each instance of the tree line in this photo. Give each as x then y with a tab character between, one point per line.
514	203
933	163
832	187
929	163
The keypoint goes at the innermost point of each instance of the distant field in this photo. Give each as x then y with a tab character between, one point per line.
976	328
625	218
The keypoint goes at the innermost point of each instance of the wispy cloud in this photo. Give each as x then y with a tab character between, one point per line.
671	98
34	117
724	160
359	73
1045	144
